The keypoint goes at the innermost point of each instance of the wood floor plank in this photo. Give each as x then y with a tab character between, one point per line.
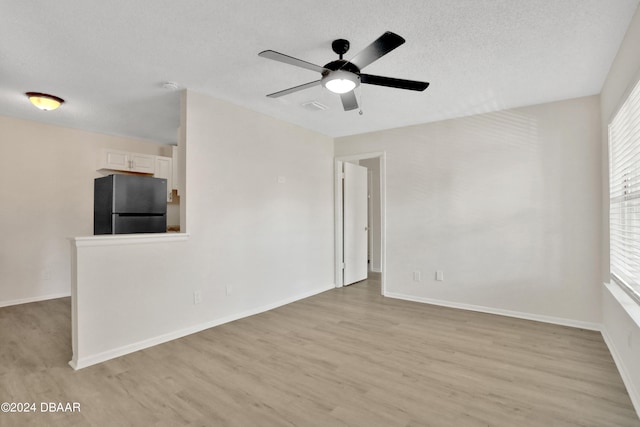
346	357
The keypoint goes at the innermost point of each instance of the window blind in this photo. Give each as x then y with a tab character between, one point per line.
624	190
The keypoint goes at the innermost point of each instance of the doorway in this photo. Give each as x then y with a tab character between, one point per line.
376	200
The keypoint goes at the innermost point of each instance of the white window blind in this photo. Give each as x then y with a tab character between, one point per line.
624	190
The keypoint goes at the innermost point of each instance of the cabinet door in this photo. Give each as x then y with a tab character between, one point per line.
163	169
143	163
115	160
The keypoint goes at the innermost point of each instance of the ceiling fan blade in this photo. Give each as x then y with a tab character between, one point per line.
281	57
393	82
294	89
380	47
349	101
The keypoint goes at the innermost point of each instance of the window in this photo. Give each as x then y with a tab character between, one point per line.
624	191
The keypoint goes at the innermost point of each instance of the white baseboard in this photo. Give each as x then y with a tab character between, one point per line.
33	299
634	394
501	312
85	361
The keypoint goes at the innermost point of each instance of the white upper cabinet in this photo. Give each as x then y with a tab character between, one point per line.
125	161
117	160
143	163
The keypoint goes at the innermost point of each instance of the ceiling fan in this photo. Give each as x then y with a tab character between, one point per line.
342	76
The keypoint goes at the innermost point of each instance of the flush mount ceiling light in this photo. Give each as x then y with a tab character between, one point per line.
340	81
44	101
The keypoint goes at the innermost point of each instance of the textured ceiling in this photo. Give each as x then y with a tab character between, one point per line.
107	59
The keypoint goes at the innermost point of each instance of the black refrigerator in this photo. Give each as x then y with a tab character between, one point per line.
124	204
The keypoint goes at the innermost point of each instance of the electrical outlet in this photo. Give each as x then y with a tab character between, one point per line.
197	297
228	289
439	275
416	276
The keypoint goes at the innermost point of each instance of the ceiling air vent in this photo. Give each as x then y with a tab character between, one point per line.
314	106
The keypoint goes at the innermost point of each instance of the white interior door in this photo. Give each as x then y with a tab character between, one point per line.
355	219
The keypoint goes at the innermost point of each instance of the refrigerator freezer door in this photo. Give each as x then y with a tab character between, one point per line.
125	224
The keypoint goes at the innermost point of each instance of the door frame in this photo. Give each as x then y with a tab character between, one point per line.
339	220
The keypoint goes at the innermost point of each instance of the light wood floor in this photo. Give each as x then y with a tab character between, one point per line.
347	357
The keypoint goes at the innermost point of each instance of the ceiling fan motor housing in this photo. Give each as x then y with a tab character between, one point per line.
341	64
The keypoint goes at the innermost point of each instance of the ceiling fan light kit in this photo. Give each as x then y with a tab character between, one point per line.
340	81
342	76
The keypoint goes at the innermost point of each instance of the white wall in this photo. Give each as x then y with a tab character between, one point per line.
268	242
46	196
621	315
507	204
